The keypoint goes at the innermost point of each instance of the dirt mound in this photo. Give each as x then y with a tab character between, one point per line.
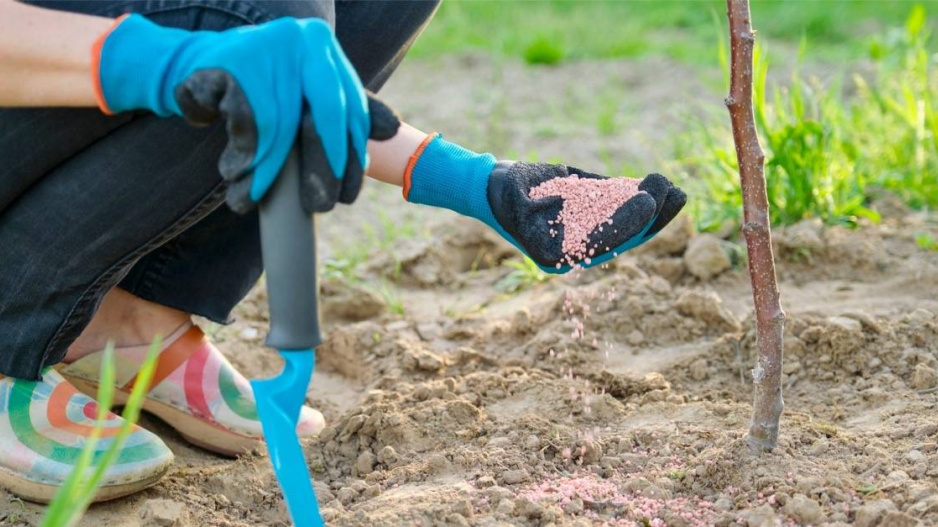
523	416
615	396
440	258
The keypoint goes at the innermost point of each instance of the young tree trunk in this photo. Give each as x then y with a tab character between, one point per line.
770	319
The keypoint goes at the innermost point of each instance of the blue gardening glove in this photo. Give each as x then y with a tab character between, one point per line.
497	193
273	83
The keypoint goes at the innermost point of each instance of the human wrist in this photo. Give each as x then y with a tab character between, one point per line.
447	175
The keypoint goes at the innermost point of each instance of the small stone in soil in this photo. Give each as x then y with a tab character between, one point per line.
387	455
365	463
164	513
513	477
505	506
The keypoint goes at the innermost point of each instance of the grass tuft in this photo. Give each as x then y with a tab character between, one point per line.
827	151
927	242
525	273
544	50
679	30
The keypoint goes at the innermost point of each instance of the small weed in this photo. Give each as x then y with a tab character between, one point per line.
317	465
544	50
606	122
525	273
389	231
676	475
927	241
866	490
391	297
477	261
342	269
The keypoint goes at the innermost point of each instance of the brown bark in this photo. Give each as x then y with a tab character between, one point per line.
770	319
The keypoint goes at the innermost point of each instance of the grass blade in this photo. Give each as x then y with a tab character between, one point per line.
76	494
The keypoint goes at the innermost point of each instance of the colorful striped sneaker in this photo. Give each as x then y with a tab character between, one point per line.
43	427
195	390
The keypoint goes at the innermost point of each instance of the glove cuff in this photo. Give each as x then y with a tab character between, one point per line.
96	48
444	174
129	65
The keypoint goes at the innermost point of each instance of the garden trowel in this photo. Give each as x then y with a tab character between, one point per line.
288	241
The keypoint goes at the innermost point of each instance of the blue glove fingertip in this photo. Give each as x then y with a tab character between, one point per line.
327	103
322	88
359	120
264	175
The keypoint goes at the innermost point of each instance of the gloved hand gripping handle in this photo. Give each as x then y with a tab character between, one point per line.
288	243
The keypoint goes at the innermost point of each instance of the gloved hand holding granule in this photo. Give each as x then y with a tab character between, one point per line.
561	217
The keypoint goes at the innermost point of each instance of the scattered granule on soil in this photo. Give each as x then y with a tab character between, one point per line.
605	501
588	204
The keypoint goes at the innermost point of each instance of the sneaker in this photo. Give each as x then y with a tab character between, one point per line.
44	425
195	390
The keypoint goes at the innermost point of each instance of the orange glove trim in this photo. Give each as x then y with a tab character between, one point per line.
96	48
413	162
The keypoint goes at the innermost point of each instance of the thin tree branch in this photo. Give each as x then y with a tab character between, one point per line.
770	319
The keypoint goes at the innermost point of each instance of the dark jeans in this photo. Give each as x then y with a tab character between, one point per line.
88	201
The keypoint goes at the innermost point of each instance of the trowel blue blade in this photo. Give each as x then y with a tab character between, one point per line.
279	401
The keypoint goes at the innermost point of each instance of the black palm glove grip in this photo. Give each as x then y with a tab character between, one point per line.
530	221
212	94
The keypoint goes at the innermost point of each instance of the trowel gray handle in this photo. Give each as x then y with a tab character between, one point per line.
288	245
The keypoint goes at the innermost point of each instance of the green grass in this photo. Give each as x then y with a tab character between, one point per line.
827	152
379	237
344	269
524	274
75	495
543	51
606	120
547	31
927	242
831	146
391	297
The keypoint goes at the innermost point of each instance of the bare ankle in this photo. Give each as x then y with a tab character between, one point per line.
128	321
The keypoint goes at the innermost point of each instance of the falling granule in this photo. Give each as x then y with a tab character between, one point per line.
587	204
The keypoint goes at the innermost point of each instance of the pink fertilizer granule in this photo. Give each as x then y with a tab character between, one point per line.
609	504
588	204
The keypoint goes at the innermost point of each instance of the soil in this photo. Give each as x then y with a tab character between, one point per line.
612	396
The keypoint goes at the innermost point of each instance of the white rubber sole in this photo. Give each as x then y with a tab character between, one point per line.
44	493
196	431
